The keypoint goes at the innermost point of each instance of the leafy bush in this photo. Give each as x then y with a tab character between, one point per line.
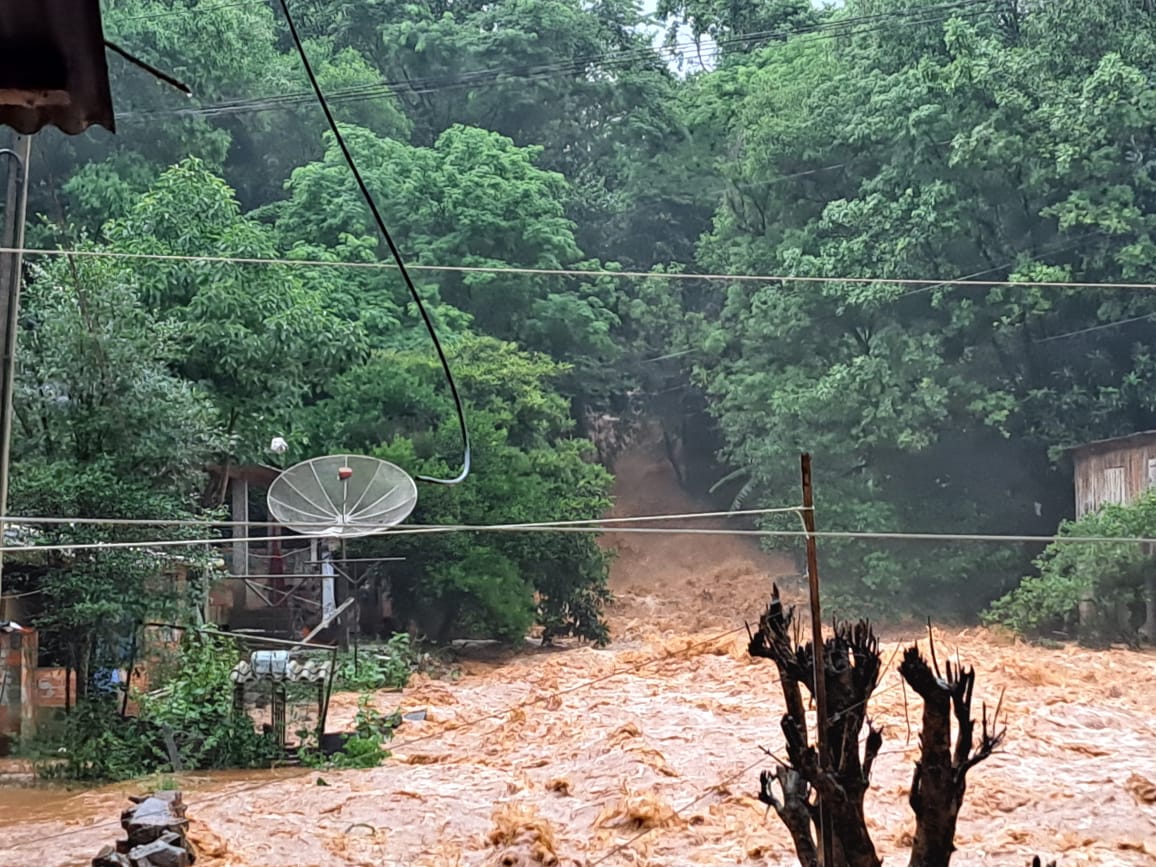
98	744
364	748
1107	574
195	709
197	706
387	667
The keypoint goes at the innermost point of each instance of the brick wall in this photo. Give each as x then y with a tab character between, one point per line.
18	651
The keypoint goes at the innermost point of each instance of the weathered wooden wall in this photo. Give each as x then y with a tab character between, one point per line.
1114	472
1117	471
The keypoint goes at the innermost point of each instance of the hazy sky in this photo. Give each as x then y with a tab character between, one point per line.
688	54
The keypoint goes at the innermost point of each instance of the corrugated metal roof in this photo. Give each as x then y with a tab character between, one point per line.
1114	441
53	70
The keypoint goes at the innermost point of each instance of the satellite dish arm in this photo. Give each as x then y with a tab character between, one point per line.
465	471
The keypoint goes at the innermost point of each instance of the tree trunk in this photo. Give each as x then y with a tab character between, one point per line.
801	785
851	674
940	779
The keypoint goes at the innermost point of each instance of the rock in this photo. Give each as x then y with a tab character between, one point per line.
152	817
159	854
155	827
110	857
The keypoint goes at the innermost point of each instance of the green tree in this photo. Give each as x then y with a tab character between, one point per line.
251	116
472	200
259	339
527	468
967	144
583	81
104	430
738	26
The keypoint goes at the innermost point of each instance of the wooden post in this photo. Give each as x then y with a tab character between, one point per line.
239	488
240	530
11	237
826	851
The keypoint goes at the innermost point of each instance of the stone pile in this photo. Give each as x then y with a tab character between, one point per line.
155	827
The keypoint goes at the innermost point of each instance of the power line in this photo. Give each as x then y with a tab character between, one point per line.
1115	324
579	272
192	522
597	528
963	280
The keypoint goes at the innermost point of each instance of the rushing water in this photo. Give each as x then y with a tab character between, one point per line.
671	747
553	758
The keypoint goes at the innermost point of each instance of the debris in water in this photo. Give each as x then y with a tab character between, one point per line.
156	828
523	837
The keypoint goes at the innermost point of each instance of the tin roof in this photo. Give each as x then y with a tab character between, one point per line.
1120	441
53	70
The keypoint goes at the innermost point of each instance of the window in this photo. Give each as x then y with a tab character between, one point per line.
1113	490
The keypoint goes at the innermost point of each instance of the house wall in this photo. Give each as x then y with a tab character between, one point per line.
1117	474
51	689
18	651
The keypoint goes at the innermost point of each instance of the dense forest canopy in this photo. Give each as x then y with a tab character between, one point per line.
862	146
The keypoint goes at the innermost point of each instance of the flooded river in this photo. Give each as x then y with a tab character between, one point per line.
588	759
648	753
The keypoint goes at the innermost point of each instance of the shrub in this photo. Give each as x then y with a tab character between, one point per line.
194	709
387	667
1107	574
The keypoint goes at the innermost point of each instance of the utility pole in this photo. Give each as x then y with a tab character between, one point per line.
826	838
11	238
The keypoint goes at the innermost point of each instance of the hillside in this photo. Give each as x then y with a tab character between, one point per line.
676	584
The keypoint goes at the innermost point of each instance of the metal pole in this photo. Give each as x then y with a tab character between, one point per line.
826	849
11	237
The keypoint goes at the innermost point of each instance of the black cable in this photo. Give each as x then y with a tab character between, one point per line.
461	477
149	68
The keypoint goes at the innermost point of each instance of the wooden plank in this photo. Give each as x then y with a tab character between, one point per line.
325	621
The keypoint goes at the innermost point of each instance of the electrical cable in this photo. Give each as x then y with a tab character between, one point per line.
1114	324
397	257
963	280
149	68
190	522
844	535
578	272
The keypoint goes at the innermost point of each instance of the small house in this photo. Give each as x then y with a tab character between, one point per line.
1117	471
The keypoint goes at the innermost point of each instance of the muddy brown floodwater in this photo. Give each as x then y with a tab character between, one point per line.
648	752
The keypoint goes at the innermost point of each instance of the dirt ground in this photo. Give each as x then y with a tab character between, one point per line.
648	752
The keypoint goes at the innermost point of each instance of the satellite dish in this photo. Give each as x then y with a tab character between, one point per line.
342	496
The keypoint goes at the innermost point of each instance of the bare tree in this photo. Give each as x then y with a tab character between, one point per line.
804	780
